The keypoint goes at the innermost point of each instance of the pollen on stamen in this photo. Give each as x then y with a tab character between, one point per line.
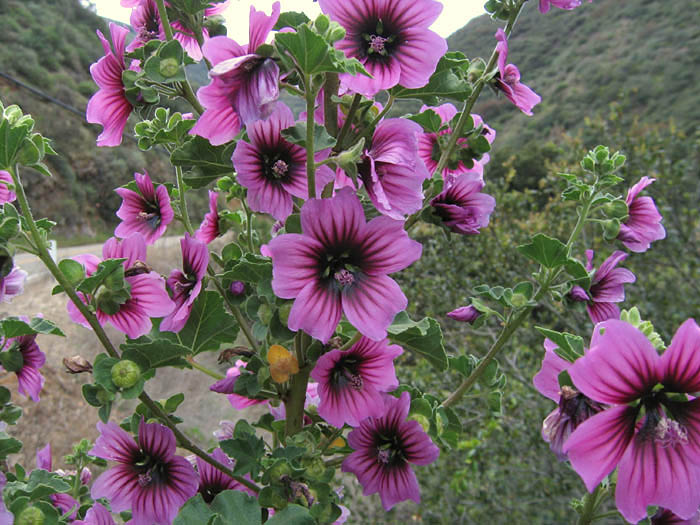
377	43
670	433
344	277
280	168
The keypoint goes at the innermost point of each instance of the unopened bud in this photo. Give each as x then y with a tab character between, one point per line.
30	516
125	373
265	314
77	364
283	313
335	33
322	23
168	67
237	288
422	420
85	476
616	209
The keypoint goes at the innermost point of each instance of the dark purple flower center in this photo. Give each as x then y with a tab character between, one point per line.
662	417
390	449
346	373
212	486
150	470
276	165
150	30
150	214
339	266
379	39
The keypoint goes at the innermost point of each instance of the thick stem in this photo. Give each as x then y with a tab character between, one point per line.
348	123
296	395
164	20
330	108
183	202
590	505
45	257
310	160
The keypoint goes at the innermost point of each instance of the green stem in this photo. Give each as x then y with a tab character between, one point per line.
296	395
610	514
355	339
242	322
590	504
310	160
164	20
183	201
335	435
370	129
75	491
249	226
348	123
330	108
190	97
204	369
45	257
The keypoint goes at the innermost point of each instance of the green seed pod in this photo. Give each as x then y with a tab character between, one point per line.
30	516
126	374
168	67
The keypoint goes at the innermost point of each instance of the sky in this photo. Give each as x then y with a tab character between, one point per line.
455	14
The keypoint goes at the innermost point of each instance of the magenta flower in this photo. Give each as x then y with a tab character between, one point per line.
508	79
63	502
384	447
391	39
465	314
273	169
461	205
391	171
225	386
149	479
340	264
643	225
97	515
237	288
145	22
147	212
209	229
545	5
212	481
244	86
573	407
430	145
186	284
109	106
148	296
607	287
12	284
351	382
652	431
666	517
6	195
23	356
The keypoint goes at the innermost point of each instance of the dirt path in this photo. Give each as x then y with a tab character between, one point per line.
63	417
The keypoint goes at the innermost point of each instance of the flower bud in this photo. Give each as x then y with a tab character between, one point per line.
77	364
611	228
265	314
335	33
237	288
168	67
125	373
30	516
322	23
465	314
85	476
283	313
616	209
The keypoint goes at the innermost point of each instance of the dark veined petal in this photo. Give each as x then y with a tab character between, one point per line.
316	310
680	363
371	304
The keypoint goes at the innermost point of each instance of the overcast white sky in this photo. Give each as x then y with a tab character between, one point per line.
455	14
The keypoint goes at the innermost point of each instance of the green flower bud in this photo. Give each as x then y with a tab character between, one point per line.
126	374
422	420
315	468
283	313
611	229
322	23
265	314
518	300
335	33
168	67
30	516
616	209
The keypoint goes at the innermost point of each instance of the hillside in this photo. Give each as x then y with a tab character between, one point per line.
642	54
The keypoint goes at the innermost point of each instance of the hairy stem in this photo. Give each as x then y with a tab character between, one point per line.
348	123
590	505
330	108
310	160
164	20
204	369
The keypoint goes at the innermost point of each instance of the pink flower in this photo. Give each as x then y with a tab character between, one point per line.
545	5
23	356
607	287
109	106
149	479
209	229
461	205
97	515
186	285
508	79
225	386
274	170
148	296
147	212
652	430
643	224
12	284
244	86
340	264
391	170
63	502
430	147
465	314
391	39
6	195
351	382
384	448
212	481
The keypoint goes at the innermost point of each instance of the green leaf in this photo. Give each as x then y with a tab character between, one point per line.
247	451
8	445
297	135
194	511
549	252
292	515
173	402
429	120
104	270
13	327
73	270
448	81
290	19
102	372
251	268
569	347
154	353
463	364
235	507
205	162
423	337
208	327
42	483
579	273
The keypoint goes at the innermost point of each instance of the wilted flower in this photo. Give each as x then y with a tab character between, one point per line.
12	284
391	39
340	264
508	79
147	212
149	479
109	106
384	448
244	86
351	382
607	287
643	224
